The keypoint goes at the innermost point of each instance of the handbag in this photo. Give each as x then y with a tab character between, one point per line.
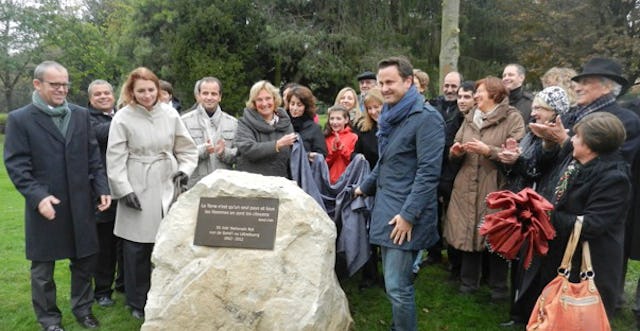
564	305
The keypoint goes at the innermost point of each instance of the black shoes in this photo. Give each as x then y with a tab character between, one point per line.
89	321
105	302
55	327
137	314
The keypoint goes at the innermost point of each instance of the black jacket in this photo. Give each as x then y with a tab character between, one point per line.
311	134
367	145
522	100
101	123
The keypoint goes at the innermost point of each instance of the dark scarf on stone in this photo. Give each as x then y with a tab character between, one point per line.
391	116
299	122
60	115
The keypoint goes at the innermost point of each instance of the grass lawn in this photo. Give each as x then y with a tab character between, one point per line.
440	307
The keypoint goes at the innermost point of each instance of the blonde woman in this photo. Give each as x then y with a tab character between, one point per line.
348	98
265	134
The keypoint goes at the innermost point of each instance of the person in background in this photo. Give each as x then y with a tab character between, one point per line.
595	185
166	96
476	148
148	152
366	81
265	134
53	159
465	97
302	110
447	105
558	76
513	77
421	81
340	141
102	108
520	166
348	99
212	130
404	181
367	145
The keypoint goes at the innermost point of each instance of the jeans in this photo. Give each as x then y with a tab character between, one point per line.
398	278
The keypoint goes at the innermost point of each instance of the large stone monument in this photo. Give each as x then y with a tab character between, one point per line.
290	287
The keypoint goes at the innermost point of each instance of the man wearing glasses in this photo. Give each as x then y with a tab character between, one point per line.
53	159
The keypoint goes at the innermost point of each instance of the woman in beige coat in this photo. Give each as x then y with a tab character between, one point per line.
148	150
476	145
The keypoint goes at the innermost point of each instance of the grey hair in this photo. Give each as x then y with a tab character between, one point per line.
196	88
519	68
612	85
99	82
38	73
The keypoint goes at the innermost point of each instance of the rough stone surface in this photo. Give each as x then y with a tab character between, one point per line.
292	287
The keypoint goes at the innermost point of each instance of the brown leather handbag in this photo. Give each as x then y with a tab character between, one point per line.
567	306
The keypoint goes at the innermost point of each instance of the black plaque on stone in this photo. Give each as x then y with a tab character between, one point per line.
237	222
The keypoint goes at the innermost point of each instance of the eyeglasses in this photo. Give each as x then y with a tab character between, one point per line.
453	86
539	108
56	86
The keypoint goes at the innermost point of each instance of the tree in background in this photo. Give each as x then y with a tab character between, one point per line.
450	43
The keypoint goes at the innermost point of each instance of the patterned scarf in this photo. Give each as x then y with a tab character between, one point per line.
599	103
394	115
60	115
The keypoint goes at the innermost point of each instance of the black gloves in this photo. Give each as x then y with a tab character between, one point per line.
180	180
131	200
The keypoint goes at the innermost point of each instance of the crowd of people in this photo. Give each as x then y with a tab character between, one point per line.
432	162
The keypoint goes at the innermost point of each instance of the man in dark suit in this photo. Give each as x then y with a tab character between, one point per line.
53	159
101	109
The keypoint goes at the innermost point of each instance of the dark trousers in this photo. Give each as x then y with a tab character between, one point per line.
106	261
43	289
137	272
370	273
119	286
471	271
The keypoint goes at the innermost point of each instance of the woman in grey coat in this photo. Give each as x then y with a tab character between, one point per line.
265	134
149	149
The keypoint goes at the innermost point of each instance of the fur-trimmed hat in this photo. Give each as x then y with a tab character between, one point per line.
555	97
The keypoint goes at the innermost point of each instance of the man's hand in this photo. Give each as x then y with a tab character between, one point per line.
45	207
550	131
105	202
357	192
219	147
401	231
209	147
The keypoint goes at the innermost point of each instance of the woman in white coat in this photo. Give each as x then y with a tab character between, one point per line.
149	149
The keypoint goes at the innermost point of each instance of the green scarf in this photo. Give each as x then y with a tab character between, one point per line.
60	115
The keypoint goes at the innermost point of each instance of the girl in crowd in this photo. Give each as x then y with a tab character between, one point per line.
476	148
265	134
340	141
348	98
367	127
302	108
149	149
367	145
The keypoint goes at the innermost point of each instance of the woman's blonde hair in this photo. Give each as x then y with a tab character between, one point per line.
263	85
366	123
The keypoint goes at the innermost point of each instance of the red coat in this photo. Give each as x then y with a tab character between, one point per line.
339	150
